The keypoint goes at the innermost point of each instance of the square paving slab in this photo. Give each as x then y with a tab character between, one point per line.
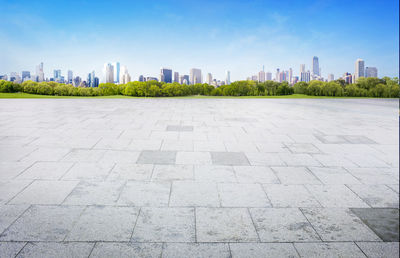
201	177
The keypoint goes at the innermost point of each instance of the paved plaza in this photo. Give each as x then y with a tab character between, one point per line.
199	178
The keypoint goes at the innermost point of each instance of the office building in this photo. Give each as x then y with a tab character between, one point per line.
176	77
290	76
371	72
302	68
331	77
26	75
305	76
348	78
195	76
70	76
141	78
261	76
228	78
109	73
359	69
77	81
39	72
116	72
315	70
125	77
57	75
209	79
165	75
268	76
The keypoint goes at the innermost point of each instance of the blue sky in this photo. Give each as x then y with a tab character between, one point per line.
215	36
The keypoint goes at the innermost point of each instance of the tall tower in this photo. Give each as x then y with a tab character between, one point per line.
209	78
109	73
228	78
359	69
315	66
165	75
39	72
195	76
116	72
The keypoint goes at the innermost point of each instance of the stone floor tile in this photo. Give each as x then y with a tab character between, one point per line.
282	225
328	250
10	170
189	194
193	158
126	250
172	172
157	157
334	175
43	223
46	154
56	249
140	144
120	156
104	223
9	213
46	170
295	175
334	160
213	146
179	128
338	224
129	171
286	196
336	196
95	193
375	176
229	158
10	249
301	148
211	173
174	145
196	250
242	195
84	155
255	174
264	159
224	225
165	225
9	189
45	192
262	250
88	171
137	193
379	249
384	222
297	160
377	196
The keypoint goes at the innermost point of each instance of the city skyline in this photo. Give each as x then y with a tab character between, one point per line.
239	36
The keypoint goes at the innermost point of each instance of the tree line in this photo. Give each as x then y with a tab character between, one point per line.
365	87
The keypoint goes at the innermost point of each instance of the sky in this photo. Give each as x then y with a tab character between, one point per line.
236	35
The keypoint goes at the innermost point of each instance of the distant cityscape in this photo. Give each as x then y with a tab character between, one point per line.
115	73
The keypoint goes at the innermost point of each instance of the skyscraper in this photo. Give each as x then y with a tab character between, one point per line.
26	74
125	77
315	66
209	79
141	78
116	72
359	69
57	75
369	72
166	75
290	76
39	72
268	76
90	80
261	76
195	76
331	77
109	73
70	77
302	68
228	78
176	77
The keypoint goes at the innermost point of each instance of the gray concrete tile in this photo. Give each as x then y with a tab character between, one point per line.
10	249
328	250
46	154
129	171
120	156
242	195
358	139
172	172
211	173
297	160
301	148
384	222
336	196
136	193
264	159
224	225
45	192
286	196
9	213
104	223
338	224
157	157
193	158
179	128
10	170
88	171
255	174
374	176
9	189
195	250
282	225
43	223
379	249
51	249
84	155
377	196
334	175
229	158
295	175
95	193
189	194
262	250
126	250
46	170
165	225
174	145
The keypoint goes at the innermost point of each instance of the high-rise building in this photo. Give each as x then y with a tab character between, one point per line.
57	75
26	75
315	70
70	77
302	68
359	69
195	76
305	76
290	76
348	78
268	76
96	82
77	81
165	75
277	75
141	78
261	76
109	73
331	77
39	72
176	77
125	77
116	72
228	78
371	72
90	80
209	79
